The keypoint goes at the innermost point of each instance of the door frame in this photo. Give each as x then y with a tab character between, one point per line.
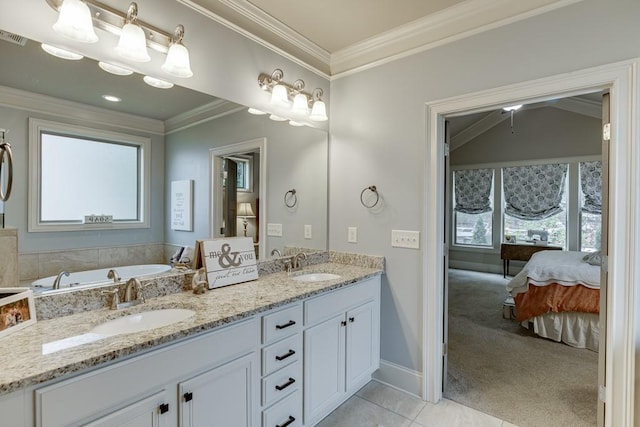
215	218
622	81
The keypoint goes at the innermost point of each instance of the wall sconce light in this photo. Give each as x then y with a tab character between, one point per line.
245	211
285	95
77	18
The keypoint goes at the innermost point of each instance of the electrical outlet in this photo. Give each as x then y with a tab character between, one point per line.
405	239
307	231
352	235
274	230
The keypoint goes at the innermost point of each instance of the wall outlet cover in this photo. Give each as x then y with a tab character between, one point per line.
307	232
274	230
405	239
352	235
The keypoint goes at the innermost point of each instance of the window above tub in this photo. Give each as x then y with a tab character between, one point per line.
86	179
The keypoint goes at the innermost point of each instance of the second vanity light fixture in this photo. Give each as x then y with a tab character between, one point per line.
76	19
302	104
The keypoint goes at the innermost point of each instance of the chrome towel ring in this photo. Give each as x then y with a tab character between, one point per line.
290	198
5	151
374	190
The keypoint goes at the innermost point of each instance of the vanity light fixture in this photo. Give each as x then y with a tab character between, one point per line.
277	118
177	62
300	100
74	22
294	123
61	53
256	112
133	43
319	110
158	83
115	69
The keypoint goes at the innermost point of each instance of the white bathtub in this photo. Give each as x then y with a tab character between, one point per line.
88	278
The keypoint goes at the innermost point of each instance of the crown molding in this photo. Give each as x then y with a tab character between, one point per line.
202	114
43	104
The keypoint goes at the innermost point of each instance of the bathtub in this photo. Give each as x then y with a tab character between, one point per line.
89	278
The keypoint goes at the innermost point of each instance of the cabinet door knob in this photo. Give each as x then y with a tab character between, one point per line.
188	397
163	408
343	323
352	319
284	356
289	421
286	325
285	385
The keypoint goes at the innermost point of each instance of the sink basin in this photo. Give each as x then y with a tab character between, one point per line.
144	321
315	277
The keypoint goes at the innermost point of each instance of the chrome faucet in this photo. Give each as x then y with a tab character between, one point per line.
275	251
113	274
295	261
56	282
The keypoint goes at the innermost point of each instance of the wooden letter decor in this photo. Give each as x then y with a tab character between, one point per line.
228	260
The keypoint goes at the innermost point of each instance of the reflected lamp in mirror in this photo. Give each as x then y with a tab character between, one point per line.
245	211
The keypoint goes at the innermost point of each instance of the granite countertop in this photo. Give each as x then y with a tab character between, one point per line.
28	366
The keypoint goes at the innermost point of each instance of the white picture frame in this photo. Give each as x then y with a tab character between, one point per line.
182	205
17	310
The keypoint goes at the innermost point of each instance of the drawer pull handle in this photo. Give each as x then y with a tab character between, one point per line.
285	385
289	421
284	356
188	397
286	325
343	323
352	319
163	408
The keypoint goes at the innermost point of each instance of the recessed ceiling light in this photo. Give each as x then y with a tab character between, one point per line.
256	111
160	84
111	98
114	69
61	53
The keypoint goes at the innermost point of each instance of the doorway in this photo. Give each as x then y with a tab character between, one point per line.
619	346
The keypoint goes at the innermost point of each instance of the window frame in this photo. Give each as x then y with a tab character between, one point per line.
247	160
37	127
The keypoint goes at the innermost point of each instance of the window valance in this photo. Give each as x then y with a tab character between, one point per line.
534	192
473	190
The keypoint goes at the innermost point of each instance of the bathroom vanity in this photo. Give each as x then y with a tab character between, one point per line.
272	352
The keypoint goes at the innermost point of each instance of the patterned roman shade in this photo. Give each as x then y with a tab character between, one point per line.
591	184
472	190
534	192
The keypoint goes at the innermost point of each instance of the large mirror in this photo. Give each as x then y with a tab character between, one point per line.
188	132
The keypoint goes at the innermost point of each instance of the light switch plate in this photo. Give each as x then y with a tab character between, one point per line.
405	239
352	235
274	230
307	231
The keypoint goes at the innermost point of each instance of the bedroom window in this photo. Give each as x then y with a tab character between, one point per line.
591	205
473	209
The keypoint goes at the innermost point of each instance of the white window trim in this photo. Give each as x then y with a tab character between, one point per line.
36	127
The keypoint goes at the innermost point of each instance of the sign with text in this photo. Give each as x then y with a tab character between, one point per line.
228	260
181	205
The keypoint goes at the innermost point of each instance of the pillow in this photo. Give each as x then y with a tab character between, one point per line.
593	258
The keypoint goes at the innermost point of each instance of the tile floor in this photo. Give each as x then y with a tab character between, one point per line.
378	405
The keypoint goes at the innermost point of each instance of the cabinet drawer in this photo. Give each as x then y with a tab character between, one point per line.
281	354
326	306
286	413
281	324
281	383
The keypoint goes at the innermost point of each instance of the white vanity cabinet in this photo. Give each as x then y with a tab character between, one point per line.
341	344
211	380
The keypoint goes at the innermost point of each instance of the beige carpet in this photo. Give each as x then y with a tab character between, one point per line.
500	368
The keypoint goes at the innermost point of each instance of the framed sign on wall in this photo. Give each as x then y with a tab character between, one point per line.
181	205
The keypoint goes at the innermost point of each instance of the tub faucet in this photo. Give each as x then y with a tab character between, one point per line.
113	274
275	251
56	282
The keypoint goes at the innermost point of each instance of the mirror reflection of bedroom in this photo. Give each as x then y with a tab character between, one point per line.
525	233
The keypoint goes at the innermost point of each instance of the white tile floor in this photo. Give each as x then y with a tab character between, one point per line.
377	405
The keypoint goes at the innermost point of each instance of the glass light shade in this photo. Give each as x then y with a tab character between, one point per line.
114	69
256	112
294	123
160	84
177	62
75	22
300	104
133	44
61	53
277	118
319	112
279	96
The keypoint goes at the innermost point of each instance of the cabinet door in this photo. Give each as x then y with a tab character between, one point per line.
222	397
154	411
361	355
324	362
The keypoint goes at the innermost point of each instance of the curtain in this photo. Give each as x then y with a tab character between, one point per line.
591	184
534	192
473	190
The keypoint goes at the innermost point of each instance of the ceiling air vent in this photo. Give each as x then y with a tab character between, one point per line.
12	38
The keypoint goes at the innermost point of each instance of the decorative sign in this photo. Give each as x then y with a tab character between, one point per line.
181	196
98	219
228	260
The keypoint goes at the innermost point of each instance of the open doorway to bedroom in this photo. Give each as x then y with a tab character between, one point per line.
522	181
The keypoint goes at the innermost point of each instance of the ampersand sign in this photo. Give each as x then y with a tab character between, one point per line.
227	258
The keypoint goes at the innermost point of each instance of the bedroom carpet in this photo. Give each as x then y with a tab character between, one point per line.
500	368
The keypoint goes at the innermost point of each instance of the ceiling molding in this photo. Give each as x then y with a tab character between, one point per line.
37	103
580	106
202	114
476	129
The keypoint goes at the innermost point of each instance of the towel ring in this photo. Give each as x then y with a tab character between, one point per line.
374	190
5	148
291	194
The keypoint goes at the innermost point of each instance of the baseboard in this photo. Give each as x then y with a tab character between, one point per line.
514	267
399	377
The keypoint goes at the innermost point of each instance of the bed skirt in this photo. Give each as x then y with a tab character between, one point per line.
581	330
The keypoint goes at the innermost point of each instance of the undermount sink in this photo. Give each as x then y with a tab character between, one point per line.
315	277
140	322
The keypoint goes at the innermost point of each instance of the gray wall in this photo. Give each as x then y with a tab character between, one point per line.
378	134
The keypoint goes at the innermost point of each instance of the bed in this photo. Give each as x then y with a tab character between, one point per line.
557	295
